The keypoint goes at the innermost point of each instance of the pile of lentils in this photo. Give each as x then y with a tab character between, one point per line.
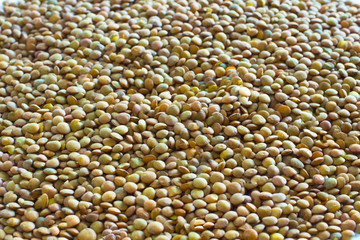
182	120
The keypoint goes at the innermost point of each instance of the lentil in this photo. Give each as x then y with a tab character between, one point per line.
179	119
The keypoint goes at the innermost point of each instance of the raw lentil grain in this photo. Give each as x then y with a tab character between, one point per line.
179	120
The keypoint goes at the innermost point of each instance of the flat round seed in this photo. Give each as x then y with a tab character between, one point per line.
159	120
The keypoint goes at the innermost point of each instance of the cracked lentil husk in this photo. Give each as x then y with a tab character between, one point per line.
179	120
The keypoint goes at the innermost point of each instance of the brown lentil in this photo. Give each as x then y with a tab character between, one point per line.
179	119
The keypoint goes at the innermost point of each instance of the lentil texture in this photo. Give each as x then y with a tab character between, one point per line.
183	120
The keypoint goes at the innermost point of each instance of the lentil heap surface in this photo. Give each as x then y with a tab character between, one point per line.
179	120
